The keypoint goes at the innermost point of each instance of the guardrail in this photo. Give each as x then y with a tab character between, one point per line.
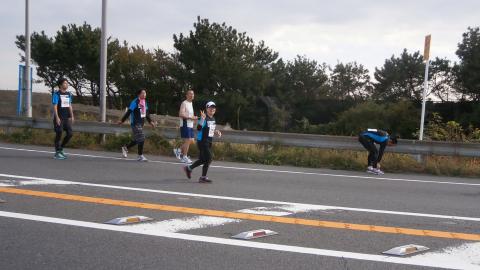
259	137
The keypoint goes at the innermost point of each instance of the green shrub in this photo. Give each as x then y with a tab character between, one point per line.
400	118
438	130
115	142
84	140
22	136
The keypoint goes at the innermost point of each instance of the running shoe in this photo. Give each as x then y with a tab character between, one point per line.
204	179
186	159
378	171
62	154
142	158
124	151
370	169
177	152
187	171
58	156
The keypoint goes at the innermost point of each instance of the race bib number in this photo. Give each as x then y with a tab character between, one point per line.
211	126
64	101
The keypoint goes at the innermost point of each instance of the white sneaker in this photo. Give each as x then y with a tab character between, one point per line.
186	160
142	158
378	171
124	152
370	169
177	152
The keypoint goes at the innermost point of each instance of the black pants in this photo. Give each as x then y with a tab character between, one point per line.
65	125
138	138
140	146
204	158
372	150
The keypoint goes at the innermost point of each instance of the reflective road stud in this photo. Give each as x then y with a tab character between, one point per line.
405	250
128	220
254	234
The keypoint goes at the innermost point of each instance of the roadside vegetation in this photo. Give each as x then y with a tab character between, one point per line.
263	153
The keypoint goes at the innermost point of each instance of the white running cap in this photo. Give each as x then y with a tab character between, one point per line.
211	104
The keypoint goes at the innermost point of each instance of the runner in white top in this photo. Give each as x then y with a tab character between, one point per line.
186	112
187	118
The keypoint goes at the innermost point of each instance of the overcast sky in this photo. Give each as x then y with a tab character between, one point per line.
327	31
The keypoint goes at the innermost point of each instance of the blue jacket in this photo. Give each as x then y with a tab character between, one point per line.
136	117
206	130
377	135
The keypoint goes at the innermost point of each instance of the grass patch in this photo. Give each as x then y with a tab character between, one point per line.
260	153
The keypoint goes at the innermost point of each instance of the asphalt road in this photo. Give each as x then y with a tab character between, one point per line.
55	211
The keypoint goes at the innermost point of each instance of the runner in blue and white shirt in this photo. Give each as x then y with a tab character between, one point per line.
138	112
206	131
62	117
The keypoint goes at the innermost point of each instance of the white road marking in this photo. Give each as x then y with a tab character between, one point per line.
264	170
300	205
469	253
264	211
183	224
282	210
202	222
240	243
37	182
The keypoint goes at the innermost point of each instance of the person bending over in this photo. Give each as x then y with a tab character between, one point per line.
368	139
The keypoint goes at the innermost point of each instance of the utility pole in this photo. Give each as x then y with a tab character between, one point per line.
28	90
103	65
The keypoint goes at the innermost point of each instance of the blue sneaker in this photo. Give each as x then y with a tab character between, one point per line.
142	158
59	156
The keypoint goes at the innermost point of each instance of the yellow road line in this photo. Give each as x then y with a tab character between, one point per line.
255	217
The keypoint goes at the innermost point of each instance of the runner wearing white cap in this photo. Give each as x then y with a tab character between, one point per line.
206	131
